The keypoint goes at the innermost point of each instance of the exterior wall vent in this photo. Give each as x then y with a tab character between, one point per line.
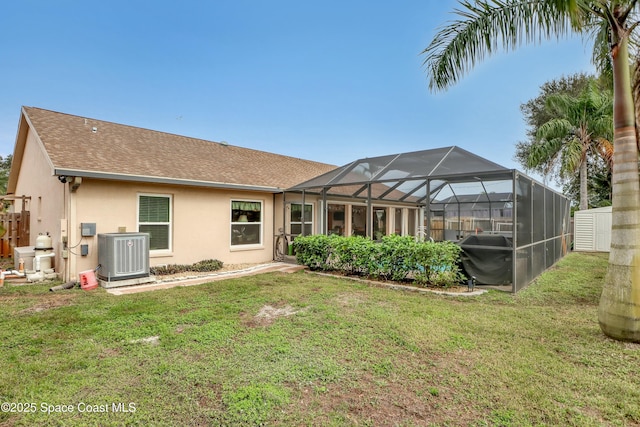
123	256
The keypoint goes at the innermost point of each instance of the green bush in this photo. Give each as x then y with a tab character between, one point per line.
352	255
207	265
393	258
436	264
313	251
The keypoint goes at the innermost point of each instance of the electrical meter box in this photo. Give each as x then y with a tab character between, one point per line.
87	229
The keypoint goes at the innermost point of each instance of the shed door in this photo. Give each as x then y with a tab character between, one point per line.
584	232
603	232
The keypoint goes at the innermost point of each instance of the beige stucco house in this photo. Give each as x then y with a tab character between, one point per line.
197	199
83	179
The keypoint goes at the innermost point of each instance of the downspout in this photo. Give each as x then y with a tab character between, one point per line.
284	212
273	209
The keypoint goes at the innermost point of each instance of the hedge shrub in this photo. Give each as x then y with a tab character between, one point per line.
313	251
395	258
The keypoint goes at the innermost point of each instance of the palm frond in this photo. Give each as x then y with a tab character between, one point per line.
487	26
600	34
572	157
555	128
543	154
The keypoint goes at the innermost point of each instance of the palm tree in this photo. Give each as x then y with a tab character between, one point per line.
487	26
581	128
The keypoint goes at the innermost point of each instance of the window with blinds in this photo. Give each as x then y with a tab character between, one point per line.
154	217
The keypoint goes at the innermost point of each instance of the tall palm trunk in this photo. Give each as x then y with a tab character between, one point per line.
635	89
619	310
584	198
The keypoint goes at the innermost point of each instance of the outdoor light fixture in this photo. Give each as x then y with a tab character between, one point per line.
471	283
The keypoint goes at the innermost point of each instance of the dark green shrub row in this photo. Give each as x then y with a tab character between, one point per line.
200	266
394	258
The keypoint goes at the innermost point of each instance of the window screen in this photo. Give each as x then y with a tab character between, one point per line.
154	217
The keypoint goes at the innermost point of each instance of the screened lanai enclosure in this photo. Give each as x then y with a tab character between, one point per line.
510	227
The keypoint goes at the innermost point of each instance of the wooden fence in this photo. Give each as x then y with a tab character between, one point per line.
16	230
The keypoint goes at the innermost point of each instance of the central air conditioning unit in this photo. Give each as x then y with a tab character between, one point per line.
123	256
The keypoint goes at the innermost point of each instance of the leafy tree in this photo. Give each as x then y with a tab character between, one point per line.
536	114
580	128
487	26
535	111
598	183
5	168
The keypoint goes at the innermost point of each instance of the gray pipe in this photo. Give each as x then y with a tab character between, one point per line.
67	285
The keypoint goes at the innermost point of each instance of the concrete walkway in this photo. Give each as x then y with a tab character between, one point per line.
267	268
213	277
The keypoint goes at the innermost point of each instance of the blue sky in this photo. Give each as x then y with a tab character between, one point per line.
327	80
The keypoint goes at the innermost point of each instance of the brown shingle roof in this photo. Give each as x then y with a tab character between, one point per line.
120	150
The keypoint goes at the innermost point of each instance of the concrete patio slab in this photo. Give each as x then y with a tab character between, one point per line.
213	277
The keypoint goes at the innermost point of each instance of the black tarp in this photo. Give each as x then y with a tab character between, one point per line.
488	257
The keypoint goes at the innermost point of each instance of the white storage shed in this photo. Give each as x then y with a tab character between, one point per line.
592	230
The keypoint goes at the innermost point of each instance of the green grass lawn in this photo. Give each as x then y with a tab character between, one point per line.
301	349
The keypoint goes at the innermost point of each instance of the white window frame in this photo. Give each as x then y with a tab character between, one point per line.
306	223
169	223
260	244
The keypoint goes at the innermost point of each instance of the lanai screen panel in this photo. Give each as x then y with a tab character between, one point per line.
471	207
404	174
415	164
462	163
542	229
364	170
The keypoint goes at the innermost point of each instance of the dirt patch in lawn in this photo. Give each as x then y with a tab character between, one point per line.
351	299
268	314
49	301
371	401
